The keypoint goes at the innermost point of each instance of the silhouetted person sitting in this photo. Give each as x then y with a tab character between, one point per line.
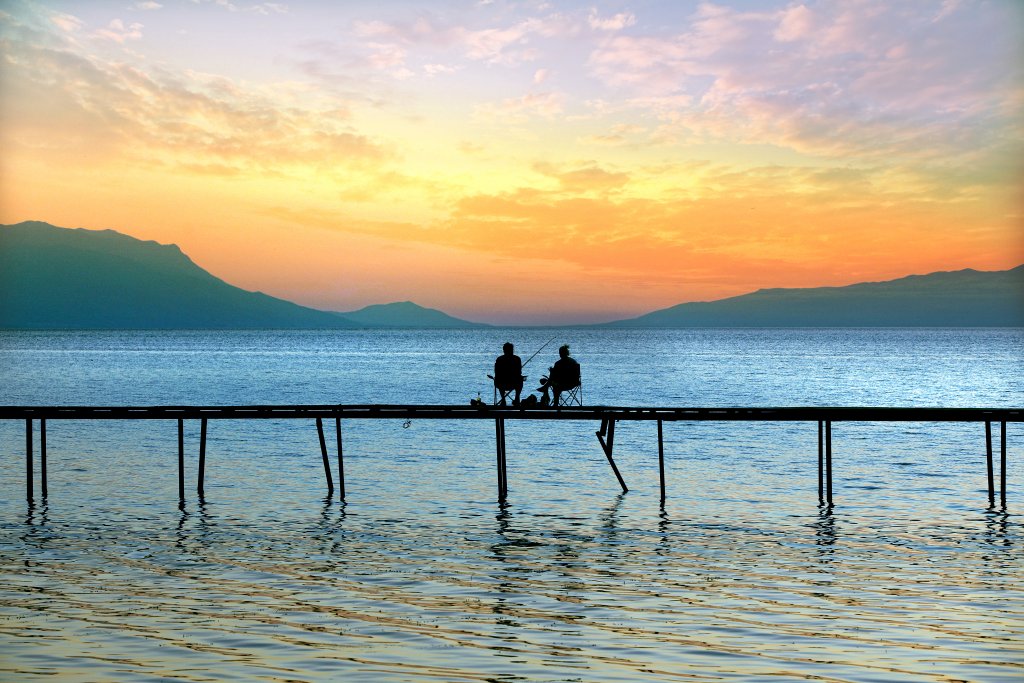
563	375
508	373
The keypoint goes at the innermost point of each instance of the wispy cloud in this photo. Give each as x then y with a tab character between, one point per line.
119	32
618	134
616	22
161	117
507	44
836	79
520	109
66	22
259	8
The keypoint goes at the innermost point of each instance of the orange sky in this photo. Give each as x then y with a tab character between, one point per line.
525	162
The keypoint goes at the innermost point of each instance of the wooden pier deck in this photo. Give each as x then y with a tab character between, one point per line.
606	416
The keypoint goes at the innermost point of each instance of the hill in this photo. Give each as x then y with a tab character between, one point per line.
408	315
58	278
963	298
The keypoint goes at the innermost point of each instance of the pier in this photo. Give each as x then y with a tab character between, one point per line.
604	416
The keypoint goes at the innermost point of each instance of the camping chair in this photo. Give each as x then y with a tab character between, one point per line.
504	395
572	396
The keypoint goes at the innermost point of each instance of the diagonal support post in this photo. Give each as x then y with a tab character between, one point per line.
323	454
608	426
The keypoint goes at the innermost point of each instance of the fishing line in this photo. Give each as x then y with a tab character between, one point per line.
540	349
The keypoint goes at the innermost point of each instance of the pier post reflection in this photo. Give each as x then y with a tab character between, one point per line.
825	530
997	523
329	527
504	605
37	525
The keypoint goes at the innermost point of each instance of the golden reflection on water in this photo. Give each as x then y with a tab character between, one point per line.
514	593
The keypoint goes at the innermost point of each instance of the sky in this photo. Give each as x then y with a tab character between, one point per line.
524	162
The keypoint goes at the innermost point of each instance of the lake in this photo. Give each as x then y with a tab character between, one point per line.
421	575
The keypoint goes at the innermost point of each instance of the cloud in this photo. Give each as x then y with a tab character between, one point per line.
146	6
62	99
730	227
520	109
66	22
948	8
265	8
590	178
618	135
540	75
119	33
865	78
501	45
386	46
796	23
436	69
510	44
613	23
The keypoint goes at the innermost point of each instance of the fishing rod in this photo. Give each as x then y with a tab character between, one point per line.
540	349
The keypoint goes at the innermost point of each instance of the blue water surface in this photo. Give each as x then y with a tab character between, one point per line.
422	575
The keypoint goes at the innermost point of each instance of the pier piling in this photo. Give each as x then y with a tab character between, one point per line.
1002	464
323	454
341	460
504	463
988	462
821	462
181	460
202	457
499	438
28	460
42	457
828	461
661	462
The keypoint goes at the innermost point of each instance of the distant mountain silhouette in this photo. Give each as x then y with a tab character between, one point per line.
963	298
57	278
406	314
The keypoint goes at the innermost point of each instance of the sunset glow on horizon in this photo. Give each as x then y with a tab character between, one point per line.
524	162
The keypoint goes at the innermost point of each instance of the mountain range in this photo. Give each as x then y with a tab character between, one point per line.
962	298
60	278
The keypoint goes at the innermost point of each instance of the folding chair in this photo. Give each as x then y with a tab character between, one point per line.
504	395
572	396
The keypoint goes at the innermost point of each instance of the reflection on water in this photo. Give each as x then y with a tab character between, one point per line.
825	529
473	590
421	576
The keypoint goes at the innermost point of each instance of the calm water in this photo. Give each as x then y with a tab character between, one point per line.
422	576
